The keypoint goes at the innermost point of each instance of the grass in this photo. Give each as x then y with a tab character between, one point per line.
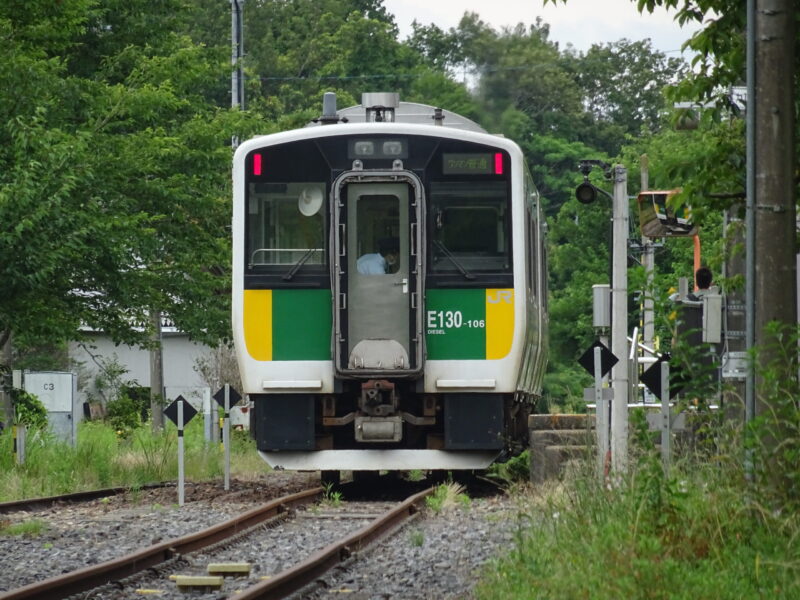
104	459
692	535
331	497
416	537
446	497
30	528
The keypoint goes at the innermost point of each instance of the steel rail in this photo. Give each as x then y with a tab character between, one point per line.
47	501
62	586
304	573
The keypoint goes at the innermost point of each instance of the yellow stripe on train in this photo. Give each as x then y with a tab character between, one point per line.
258	323
499	322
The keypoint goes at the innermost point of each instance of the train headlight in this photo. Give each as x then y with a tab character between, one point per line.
364	148
378	148
393	148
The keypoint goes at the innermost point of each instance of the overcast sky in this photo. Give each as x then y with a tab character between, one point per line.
579	22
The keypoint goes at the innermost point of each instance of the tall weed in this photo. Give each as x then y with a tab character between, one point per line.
774	436
102	458
698	531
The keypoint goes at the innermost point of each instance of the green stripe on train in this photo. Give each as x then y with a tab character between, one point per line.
301	325
455	324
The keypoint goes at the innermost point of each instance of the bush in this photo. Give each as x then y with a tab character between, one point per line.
690	534
122	414
516	469
29	410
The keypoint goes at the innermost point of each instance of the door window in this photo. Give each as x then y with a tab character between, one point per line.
377	237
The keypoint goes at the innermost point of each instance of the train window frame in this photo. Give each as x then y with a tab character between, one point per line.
533	234
487	194
268	205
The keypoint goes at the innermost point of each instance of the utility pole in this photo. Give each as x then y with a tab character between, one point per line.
6	406
237	52
648	262
775	212
619	321
156	373
586	193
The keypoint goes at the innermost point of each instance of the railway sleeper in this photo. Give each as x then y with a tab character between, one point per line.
203	583
241	569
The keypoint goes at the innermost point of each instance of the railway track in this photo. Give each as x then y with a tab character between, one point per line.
148	570
32	504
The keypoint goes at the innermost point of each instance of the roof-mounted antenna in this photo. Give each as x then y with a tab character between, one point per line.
329	116
380	106
438	117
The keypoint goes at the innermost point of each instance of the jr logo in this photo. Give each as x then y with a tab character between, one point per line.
500	296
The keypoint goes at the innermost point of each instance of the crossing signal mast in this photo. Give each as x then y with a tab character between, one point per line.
586	193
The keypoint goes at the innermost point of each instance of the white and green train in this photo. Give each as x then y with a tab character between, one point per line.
389	290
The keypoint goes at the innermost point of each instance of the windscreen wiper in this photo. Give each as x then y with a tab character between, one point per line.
453	259
296	267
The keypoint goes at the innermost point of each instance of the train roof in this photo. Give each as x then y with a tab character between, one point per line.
386	106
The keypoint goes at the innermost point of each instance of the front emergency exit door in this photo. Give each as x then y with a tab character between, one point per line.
379	279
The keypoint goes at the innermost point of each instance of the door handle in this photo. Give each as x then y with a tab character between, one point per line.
404	283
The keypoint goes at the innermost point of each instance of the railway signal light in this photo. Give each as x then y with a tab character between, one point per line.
586	193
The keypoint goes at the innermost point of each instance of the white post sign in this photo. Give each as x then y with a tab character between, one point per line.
180	412
226	396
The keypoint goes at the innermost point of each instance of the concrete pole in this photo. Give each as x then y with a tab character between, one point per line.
6	406
619	322
775	212
648	261
237	52
156	374
750	227
237	91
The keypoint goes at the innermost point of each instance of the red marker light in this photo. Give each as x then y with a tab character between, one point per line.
498	163
256	164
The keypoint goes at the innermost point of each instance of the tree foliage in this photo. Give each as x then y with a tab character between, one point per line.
115	154
113	173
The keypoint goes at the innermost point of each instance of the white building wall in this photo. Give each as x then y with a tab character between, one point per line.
179	356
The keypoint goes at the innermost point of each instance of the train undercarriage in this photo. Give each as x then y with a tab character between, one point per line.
405	428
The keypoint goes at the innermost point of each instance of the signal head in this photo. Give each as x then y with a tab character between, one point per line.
586	193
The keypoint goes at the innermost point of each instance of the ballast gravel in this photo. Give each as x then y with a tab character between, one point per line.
439	555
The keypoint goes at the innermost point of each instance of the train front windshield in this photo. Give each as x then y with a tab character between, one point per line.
467	232
286	224
469	227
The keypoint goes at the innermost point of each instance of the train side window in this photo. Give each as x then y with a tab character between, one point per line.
470	227
533	241
286	224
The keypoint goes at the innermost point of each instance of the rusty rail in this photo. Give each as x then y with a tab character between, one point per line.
88	578
45	502
304	573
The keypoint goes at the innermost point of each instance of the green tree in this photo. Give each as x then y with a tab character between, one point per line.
113	177
623	85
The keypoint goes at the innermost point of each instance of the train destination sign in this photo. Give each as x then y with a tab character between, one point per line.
474	163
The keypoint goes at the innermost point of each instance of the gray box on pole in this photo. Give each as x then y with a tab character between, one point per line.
601	306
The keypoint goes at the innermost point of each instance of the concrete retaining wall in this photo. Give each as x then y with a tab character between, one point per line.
555	440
